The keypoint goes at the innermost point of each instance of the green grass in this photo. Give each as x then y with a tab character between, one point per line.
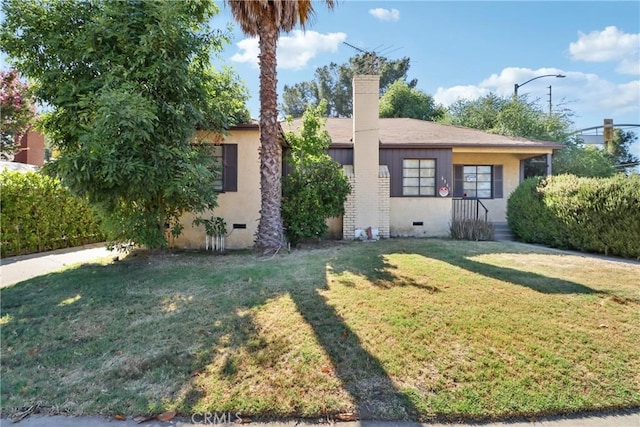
398	329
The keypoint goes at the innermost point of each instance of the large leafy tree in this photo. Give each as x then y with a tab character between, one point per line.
316	187
265	19
17	112
481	113
400	100
506	116
580	160
128	82
586	160
619	150
332	83
523	118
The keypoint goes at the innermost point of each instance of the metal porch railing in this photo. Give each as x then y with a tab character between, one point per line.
474	209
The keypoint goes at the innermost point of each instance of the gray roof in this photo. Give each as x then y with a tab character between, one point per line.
424	133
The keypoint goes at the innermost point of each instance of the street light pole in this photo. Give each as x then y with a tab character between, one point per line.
517	86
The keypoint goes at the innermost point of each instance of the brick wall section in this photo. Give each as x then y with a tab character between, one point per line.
351	207
349	217
384	181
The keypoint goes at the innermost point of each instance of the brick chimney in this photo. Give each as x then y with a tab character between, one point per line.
367	215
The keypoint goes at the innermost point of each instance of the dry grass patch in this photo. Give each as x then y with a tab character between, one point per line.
400	329
273	361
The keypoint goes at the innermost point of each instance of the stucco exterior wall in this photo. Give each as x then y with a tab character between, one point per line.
511	177
433	212
241	207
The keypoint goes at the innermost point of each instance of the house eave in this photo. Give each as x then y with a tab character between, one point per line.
504	148
255	126
466	147
245	126
341	145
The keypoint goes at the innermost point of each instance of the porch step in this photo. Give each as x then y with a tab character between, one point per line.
501	232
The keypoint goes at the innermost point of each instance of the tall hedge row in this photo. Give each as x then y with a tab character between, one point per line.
589	214
39	214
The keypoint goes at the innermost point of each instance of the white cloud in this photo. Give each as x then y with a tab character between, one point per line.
590	97
448	96
504	83
610	98
501	84
392	15
630	66
249	51
610	44
294	51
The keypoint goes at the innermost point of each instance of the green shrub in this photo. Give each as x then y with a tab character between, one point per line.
471	229
529	218
316	188
589	214
39	214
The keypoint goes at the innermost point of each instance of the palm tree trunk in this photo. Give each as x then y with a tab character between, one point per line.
270	235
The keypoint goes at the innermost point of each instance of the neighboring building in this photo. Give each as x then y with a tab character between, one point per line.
408	176
31	151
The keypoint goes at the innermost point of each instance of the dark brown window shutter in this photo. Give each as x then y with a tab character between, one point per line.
497	182
230	170
458	181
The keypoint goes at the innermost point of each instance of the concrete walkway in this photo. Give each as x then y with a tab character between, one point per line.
17	269
23	267
625	419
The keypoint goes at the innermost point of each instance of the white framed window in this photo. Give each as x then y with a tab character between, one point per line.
477	182
419	177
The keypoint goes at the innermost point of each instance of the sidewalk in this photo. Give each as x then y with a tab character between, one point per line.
626	419
23	267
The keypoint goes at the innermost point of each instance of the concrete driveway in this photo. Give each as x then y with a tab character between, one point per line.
23	267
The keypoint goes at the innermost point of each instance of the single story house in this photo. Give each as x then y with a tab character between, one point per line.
408	177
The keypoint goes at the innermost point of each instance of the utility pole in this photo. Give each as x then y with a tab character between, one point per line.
517	86
550	104
607	131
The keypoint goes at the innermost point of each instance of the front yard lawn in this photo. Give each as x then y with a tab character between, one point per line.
398	329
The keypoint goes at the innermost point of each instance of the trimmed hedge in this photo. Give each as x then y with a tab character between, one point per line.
39	214
588	214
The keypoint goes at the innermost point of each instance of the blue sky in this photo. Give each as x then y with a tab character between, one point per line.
466	49
469	49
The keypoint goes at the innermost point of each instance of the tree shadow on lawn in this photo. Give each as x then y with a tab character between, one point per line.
534	281
381	272
127	344
142	330
370	263
537	282
362	374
